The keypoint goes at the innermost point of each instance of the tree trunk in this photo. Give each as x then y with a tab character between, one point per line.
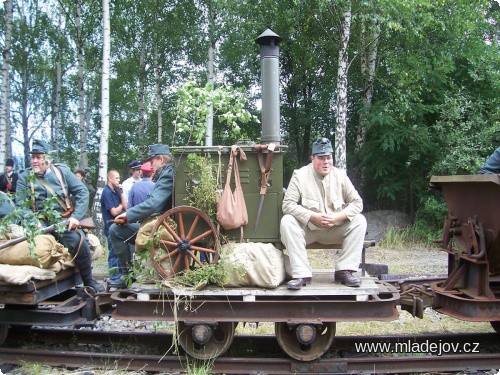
55	106
140	101
81	90
24	111
4	106
84	161
210	79
369	43
368	64
341	125
103	149
158	93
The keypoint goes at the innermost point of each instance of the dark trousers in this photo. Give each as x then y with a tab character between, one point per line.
76	243
123	237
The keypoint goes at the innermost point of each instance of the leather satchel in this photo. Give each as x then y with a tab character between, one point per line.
231	209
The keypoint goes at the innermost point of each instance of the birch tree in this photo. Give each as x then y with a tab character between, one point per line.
81	88
343	68
103	149
4	104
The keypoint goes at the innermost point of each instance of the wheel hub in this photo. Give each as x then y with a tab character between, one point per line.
184	246
306	334
201	333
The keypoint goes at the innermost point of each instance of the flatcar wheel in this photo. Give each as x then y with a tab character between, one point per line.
4	331
206	341
305	342
189	240
496	326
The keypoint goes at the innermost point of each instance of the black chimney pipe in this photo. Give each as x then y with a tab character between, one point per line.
269	63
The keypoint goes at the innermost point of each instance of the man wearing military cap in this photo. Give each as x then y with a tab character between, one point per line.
321	205
45	180
8	180
158	202
135	176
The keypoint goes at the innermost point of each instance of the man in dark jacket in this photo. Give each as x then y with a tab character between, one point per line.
45	180
8	180
158	202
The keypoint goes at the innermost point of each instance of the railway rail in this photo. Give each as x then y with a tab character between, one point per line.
332	363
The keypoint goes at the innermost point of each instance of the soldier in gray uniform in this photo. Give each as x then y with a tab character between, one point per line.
45	180
158	202
321	205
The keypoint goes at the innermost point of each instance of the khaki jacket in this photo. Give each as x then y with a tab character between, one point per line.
304	195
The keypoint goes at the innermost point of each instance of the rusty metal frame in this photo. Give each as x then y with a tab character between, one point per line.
313	309
471	238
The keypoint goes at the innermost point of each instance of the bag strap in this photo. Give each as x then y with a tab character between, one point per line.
234	152
229	169
47	186
66	204
61	182
233	164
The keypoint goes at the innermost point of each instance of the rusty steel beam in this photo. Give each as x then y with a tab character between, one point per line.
268	310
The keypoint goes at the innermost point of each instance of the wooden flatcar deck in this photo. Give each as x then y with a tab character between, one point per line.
36	291
322	285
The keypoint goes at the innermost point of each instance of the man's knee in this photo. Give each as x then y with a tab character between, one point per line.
288	221
113	231
359	221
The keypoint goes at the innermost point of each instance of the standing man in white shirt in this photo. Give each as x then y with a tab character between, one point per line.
135	176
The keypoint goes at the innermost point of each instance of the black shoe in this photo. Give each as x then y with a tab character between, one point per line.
296	284
117	283
95	285
345	277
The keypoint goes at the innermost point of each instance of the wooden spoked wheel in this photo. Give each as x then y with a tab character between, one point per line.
206	341
305	342
183	238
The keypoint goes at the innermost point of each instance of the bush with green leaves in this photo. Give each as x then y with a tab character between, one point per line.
195	103
203	191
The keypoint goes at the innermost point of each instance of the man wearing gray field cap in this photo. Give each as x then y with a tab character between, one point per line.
321	205
45	180
158	202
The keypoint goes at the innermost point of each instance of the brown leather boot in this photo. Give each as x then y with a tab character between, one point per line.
345	277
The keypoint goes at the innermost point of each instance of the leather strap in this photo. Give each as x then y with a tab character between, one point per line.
66	204
63	187
265	168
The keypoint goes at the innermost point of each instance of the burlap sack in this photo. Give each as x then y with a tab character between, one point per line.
253	264
96	249
67	261
47	252
22	274
146	230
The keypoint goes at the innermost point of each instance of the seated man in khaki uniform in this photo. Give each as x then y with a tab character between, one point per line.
321	205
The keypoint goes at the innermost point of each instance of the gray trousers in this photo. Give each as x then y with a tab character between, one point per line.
295	237
123	237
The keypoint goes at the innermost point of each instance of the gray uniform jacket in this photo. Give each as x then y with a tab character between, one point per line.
74	187
304	195
159	200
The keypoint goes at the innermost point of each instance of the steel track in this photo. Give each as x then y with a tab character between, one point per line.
240	365
230	365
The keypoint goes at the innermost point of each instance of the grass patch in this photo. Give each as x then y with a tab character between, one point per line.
432	322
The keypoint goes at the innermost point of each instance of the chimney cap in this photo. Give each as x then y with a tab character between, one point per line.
268	37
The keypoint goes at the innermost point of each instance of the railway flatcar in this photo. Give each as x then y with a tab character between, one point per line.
206	319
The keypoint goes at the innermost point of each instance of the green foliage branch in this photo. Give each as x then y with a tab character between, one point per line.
193	106
30	221
204	189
